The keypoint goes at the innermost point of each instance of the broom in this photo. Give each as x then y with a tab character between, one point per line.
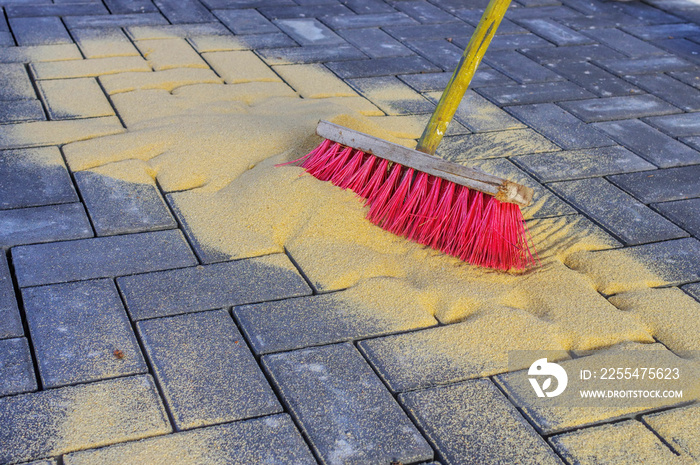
461	211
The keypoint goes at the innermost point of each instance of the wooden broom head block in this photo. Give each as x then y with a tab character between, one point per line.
502	189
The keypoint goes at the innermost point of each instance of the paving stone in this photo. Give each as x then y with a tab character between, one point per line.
685	49
480	115
693	141
237	4
572	53
463	149
381	67
555	12
520	68
662	185
115	20
600	21
594	79
650	144
631	221
100	257
76	329
368	6
678	427
177	31
440	52
559	126
43	224
429	31
130	6
554	32
15	111
6	39
205	370
685	213
656	64
10	321
624	43
74	98
272	439
184	11
628	441
576	164
648	14
212	286
392	96
39	31
58	421
374	42
304	11
535	93
103	42
322	319
428	82
686	124
473	422
663	31
240	66
507	27
343	408
310	54
72	9
163	80
424	12
242	42
612	108
16	368
247	21
309	32
89	68
39	53
15	83
165	54
693	290
43	133
314	81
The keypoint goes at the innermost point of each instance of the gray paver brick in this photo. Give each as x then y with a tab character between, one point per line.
648	14
686	49
401	100
214	286
177	31
646	65
430	31
374	42
72	9
76	329
519	67
473	422
32	177
369	6
205	369
244	42
473	16
650	144
245	21
559	126
236	4
16	368
631	221
572	53
101	257
343	408
367	20
310	54
594	79
39	31
480	115
679	427
184	11
438	51
624	43
509	42
272	439
662	31
662	185
57	421
535	93
309	31
685	213
686	124
612	108
10	321
120	20
304	11
575	164
6	39
381	67
556	12
130	6
428	82
118	207
21	110
43	224
555	32
38	53
669	89
424	12
15	83
463	149
321	319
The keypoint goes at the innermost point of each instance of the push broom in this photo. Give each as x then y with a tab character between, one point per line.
461	211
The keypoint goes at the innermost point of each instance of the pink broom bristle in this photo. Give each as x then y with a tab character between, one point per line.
470	225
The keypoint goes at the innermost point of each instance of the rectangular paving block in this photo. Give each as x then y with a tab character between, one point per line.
80	417
101	257
430	82
131	6
374	19
323	319
205	370
115	20
631	221
45	30
369	6
624	43
304	11
392	96
240	66
343	408
519	67
43	133
381	67
310	54
14	111
103	42
168	80
662	31
39	53
669	89
685	124
615	108
16	367
594	79
272	439
441	52
165	54
43	224
10	321
561	127
74	98
463	149
554	32
314	81
479	115
81	333
213	286
242	42
429	31
374	42
60	9
88	68
120	206
662	185
571	54
309	31
656	64
473	422
535	93
650	144
248	21
686	49
678	427
685	213
184	11
424	12
177	31
16	84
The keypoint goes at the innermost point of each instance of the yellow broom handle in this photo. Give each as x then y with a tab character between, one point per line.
462	76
